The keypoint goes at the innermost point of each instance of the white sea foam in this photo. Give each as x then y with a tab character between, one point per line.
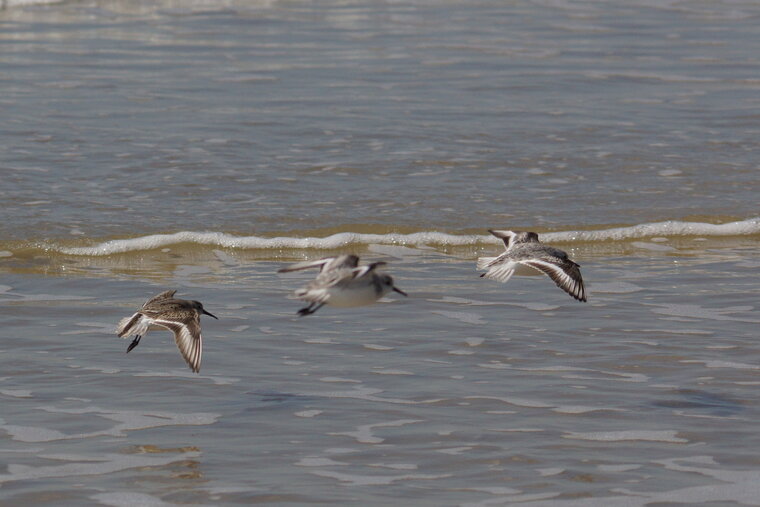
655	229
16	393
343	239
670	436
375	480
455	450
313	461
365	435
223	240
16	3
308	413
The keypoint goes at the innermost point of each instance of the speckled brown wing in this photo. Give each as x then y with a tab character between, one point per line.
167	294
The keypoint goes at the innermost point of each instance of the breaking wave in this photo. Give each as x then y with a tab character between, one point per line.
425	238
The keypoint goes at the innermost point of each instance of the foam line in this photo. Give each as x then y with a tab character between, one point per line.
340	240
255	242
669	228
17	3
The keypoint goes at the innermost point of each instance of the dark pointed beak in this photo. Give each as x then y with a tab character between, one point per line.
210	314
400	291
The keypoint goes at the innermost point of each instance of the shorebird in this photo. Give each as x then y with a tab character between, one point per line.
341	282
526	255
181	317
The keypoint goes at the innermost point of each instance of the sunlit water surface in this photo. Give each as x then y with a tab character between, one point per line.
468	392
200	146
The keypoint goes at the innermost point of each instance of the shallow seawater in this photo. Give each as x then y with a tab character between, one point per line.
260	117
201	145
468	392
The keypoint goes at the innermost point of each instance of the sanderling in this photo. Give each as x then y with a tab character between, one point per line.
525	255
181	317
341	282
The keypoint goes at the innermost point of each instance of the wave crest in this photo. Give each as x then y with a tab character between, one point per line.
429	238
669	228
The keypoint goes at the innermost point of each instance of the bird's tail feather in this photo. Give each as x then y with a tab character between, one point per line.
126	325
483	262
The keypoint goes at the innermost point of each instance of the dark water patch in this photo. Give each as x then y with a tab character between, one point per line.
711	403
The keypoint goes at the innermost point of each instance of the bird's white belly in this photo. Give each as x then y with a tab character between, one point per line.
352	295
142	326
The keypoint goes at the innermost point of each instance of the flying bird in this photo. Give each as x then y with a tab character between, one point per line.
342	282
525	255
180	316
